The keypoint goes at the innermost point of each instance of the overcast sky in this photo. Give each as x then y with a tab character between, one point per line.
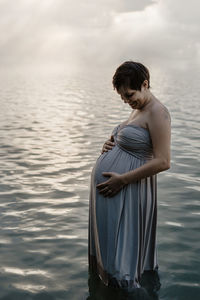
104	32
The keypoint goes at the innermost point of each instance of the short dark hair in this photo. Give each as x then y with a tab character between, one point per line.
130	74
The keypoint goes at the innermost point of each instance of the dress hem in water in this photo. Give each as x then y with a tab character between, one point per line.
111	281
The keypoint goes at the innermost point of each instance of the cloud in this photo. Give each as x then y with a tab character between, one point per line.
159	33
81	33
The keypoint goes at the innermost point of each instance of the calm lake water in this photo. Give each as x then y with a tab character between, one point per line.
52	128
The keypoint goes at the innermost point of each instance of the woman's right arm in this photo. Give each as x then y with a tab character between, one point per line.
108	145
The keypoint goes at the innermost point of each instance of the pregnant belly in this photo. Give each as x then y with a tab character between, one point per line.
114	160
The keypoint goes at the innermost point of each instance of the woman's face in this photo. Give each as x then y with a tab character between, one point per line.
136	99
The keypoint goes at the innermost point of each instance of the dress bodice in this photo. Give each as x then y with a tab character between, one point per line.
134	139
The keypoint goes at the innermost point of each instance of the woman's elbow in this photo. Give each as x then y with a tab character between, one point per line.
165	165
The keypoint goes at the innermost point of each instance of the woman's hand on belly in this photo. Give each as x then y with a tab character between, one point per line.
112	186
108	145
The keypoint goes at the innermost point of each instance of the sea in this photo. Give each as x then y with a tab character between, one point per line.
53	124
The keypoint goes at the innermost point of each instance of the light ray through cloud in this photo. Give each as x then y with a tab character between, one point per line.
77	33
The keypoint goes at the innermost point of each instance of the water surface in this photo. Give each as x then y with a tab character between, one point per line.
52	128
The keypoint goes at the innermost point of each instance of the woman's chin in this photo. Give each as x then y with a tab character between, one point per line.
133	106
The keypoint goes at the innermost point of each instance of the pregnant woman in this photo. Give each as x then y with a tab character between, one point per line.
123	191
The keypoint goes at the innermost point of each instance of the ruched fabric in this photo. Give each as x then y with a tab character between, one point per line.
122	228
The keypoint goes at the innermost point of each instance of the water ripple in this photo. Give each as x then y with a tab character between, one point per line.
52	130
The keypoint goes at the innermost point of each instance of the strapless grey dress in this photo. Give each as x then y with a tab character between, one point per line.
122	228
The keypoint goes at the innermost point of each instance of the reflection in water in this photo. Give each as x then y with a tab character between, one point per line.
150	283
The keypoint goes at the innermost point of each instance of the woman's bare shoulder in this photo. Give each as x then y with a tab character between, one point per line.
159	109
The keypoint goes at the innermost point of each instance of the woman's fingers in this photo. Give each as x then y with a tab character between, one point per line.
106	192
108	146
102	185
106	149
110	143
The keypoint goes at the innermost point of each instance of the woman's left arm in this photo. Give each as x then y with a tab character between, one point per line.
160	131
